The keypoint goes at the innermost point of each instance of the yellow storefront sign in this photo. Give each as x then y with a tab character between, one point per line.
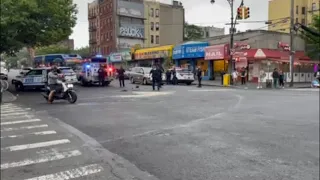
153	53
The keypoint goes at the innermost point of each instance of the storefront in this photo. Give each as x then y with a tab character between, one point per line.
120	59
217	57
191	55
267	60
148	56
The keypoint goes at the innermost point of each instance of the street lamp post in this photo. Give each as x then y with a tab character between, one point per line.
232	31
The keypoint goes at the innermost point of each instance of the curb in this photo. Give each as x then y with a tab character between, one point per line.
10	99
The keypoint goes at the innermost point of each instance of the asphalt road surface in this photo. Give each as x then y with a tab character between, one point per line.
189	133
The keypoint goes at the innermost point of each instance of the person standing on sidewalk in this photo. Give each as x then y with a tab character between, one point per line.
262	75
235	76
168	76
281	79
121	72
199	75
243	76
275	76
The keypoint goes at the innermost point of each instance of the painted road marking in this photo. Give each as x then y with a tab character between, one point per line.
41	133
14	114
14	110
144	94
52	156
24	127
305	90
209	90
35	145
19	122
72	173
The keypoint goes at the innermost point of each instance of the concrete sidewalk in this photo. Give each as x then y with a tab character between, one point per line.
250	85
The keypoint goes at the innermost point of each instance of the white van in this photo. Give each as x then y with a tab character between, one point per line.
184	75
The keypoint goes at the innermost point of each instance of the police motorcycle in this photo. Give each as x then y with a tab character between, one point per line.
66	92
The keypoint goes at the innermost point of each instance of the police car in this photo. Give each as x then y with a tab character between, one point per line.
183	75
33	79
69	75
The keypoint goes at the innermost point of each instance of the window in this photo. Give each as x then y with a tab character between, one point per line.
207	34
157	40
151	40
157	26
297	20
314	7
157	13
34	72
303	10
297	9
303	21
152	26
151	12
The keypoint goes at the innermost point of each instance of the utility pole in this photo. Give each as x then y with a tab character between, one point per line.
291	42
232	31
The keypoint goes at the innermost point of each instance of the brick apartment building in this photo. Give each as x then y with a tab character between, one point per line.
116	25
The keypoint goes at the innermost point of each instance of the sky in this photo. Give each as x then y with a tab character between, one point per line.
199	12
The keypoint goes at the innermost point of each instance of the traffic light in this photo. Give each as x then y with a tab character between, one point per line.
239	13
246	13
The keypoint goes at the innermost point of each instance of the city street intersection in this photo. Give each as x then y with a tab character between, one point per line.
179	133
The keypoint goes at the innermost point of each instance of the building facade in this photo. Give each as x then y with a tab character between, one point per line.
210	31
129	24
164	23
279	13
115	25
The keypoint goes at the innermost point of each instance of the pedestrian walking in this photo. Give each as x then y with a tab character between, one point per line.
262	75
281	79
243	76
199	75
235	77
156	76
275	76
121	72
101	75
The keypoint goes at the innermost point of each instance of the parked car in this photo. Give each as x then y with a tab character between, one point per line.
141	75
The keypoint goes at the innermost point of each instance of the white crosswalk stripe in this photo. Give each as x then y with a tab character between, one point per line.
19	131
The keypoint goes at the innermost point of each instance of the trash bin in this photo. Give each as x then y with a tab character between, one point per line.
268	83
226	80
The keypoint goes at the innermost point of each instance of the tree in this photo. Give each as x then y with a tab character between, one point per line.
192	32
312	39
35	23
84	52
19	58
53	49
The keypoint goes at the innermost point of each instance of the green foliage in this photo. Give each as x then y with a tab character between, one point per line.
35	23
168	63
19	58
53	49
312	41
84	52
192	32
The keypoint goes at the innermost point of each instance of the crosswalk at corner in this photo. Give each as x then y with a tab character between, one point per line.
32	149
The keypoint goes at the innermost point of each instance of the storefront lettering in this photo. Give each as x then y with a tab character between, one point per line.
283	46
195	49
241	46
137	32
177	51
153	54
